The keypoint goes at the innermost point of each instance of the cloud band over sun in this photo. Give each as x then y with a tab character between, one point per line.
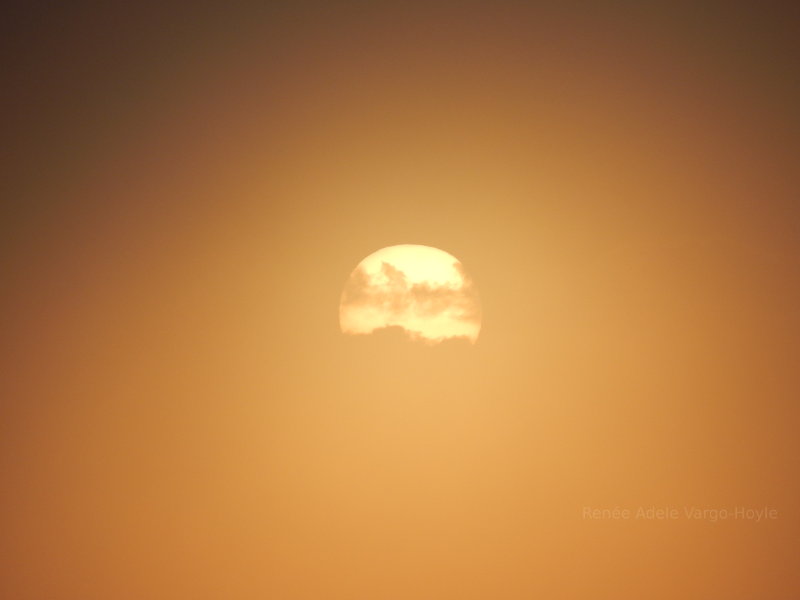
424	290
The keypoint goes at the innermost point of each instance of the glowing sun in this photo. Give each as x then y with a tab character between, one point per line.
424	290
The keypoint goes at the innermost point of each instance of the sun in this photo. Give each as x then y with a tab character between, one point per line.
422	289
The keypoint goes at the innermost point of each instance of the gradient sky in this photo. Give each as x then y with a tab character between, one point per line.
186	189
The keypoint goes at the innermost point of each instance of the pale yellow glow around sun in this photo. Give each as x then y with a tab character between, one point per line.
424	290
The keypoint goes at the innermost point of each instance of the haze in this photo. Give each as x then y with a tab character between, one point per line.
186	192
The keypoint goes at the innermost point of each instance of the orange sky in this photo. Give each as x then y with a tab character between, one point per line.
187	192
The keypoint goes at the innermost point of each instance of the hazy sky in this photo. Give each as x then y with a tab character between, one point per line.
186	190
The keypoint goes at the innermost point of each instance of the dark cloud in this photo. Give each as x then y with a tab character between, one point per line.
356	290
397	334
396	296
433	300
